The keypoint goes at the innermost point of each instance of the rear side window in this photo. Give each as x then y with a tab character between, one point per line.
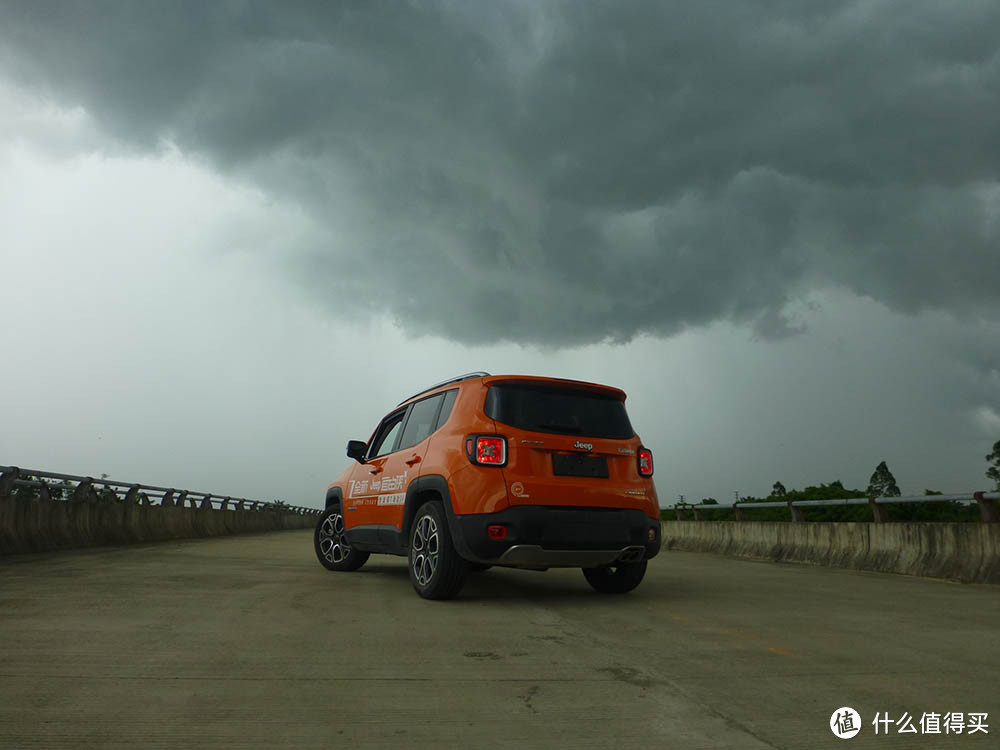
449	401
564	411
420	423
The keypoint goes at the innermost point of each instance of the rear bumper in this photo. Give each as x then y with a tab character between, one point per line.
551	537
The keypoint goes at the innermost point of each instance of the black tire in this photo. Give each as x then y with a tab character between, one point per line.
332	548
616	579
436	570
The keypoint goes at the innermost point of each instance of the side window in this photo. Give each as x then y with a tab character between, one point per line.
449	401
420	423
385	436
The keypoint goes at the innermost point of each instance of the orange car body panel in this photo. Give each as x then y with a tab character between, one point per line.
373	492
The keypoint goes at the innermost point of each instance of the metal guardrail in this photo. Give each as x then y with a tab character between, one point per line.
85	489
987	502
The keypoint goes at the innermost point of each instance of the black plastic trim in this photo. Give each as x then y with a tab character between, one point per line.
554	527
425	483
396	542
371	537
439	485
334	496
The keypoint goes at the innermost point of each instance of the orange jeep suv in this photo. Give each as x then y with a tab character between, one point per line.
514	471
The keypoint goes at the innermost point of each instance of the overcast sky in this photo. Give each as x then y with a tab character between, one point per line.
234	234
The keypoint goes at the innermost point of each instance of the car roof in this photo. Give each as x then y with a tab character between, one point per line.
487	379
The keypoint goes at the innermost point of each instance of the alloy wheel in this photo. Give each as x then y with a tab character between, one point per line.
426	545
332	541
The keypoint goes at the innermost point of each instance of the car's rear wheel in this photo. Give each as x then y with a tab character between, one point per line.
332	548
616	579
436	570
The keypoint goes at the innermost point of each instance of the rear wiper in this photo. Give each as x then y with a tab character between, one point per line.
567	428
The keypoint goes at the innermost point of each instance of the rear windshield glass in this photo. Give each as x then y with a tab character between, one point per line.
559	410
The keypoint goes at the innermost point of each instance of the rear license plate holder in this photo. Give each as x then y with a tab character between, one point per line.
579	465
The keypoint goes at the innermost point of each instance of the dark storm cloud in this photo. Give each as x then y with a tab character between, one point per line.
567	172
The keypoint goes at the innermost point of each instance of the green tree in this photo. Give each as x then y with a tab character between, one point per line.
882	482
835	490
57	490
994	459
23	491
106	493
778	490
709	501
932	492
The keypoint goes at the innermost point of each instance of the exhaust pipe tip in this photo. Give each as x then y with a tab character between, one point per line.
632	554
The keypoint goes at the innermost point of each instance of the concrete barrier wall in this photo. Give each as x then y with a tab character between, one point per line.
43	525
962	551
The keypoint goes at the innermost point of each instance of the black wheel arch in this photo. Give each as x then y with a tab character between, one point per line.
424	489
334	497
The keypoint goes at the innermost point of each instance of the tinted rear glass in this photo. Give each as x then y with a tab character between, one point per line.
562	411
449	401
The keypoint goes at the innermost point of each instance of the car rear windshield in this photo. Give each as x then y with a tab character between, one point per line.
565	411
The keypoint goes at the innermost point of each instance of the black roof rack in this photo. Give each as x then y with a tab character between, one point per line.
460	378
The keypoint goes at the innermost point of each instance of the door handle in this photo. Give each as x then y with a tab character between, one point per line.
413	460
375	470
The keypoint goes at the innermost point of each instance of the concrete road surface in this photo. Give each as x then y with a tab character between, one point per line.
247	642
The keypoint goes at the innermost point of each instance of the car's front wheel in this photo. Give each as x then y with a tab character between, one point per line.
616	579
436	570
332	548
